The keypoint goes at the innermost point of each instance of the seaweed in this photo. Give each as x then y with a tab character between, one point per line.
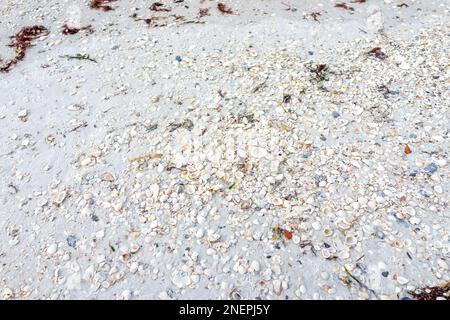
160	21
432	293
70	31
101	5
79	56
343	5
320	72
376	52
21	43
315	15
202	12
158	6
386	91
224	9
287	98
289	7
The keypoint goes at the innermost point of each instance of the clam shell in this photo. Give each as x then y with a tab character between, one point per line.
343	225
327	232
351	240
344	254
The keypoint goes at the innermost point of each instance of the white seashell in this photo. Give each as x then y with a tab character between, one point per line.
327	232
134	248
258	152
277	288
276	269
351	240
22	113
255	266
181	281
61	197
134	267
242	269
344	226
126	295
153	224
107	176
86	211
73	281
100	234
117	276
52	249
316	225
199	233
344	254
442	264
414	220
326	253
8	293
88	274
154	189
86	161
195	278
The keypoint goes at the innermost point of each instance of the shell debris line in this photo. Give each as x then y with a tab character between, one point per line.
225	150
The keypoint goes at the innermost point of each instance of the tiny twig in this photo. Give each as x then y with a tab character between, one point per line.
79	56
361	284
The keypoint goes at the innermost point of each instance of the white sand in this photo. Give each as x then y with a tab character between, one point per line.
101	114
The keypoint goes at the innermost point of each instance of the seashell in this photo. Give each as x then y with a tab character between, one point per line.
8	293
327	232
135	248
154	189
401	215
246	204
316	225
50	139
402	280
62	195
326	253
255	266
235	294
397	244
116	277
351	240
344	254
107	176
343	225
257	152
277	287
22	114
242	269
